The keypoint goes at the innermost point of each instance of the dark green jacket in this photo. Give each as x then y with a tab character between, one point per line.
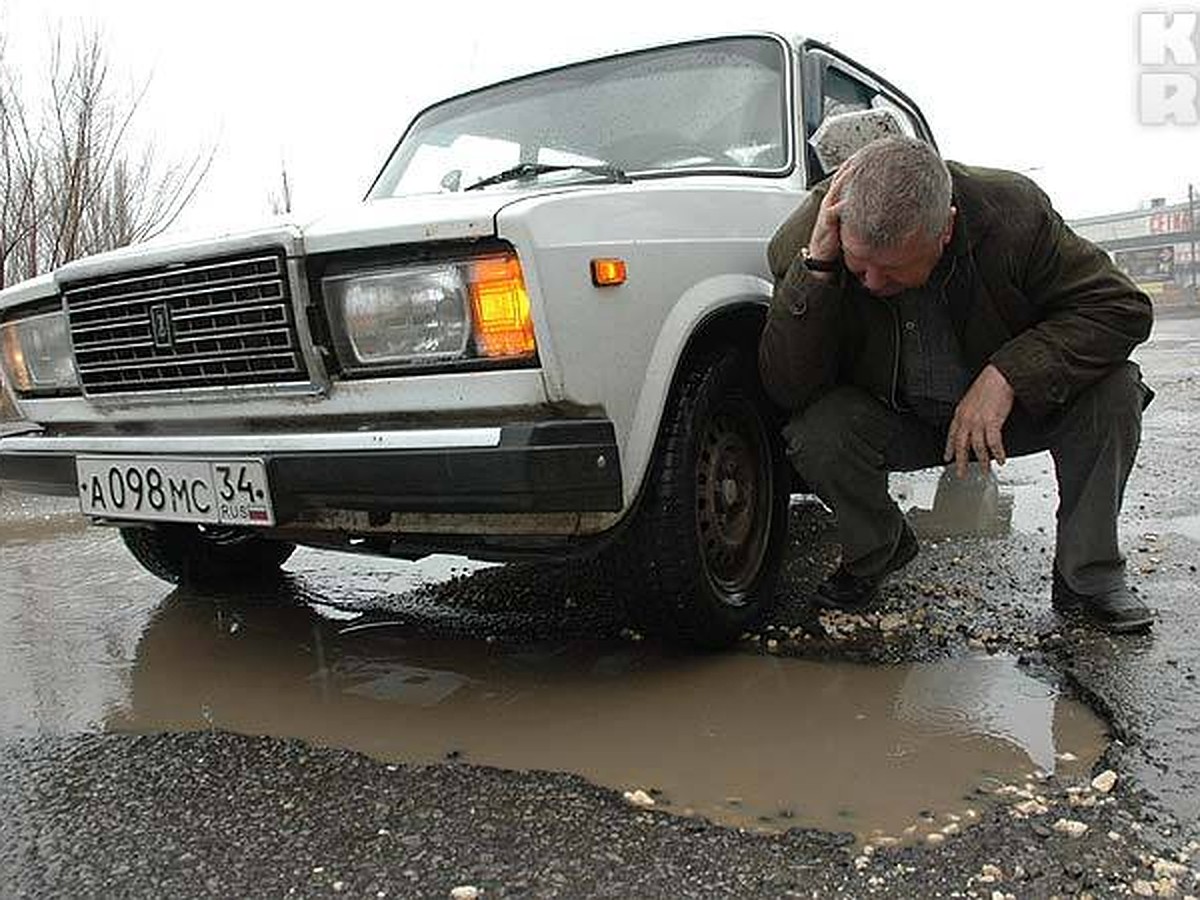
1045	306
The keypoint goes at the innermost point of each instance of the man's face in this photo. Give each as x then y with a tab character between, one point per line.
887	272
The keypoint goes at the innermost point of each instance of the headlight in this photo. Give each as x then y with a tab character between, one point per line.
37	354
422	314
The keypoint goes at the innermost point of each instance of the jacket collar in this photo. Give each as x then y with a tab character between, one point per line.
977	214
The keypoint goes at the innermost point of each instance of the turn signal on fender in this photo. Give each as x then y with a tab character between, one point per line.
500	308
608	272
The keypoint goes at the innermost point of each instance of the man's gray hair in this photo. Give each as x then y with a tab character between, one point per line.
899	184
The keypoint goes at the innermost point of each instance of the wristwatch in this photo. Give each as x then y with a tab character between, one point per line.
820	265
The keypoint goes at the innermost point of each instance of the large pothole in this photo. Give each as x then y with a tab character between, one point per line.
747	740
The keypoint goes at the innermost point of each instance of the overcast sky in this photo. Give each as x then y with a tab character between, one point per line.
1045	87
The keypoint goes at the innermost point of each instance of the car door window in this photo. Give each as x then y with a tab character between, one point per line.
842	94
842	91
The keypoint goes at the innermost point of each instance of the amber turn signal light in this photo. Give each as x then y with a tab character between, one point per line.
608	272
500	308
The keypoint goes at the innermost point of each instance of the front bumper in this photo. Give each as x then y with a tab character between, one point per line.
559	466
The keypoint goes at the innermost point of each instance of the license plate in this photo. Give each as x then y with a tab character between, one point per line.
214	491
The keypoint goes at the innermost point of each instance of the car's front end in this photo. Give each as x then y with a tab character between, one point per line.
391	390
420	372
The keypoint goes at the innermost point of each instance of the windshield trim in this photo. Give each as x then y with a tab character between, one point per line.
789	111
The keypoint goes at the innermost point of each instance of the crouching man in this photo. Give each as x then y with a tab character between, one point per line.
927	312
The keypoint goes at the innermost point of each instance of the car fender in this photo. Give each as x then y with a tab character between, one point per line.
686	319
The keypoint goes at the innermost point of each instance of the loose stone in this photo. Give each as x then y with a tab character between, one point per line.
639	798
1029	808
1070	828
1164	868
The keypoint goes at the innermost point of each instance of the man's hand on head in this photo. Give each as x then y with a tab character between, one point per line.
825	242
979	420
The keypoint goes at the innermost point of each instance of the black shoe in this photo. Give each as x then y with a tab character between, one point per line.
1117	611
856	593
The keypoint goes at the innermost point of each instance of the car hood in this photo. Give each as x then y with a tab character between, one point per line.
398	220
409	220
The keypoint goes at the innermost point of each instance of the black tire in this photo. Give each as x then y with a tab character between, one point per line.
190	554
699	564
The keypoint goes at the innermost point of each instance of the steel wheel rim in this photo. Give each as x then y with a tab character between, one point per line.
733	501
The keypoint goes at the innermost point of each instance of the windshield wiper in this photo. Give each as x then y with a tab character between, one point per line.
532	170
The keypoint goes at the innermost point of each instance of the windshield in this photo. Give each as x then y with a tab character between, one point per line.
710	105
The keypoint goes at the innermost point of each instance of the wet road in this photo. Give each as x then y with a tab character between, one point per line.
955	707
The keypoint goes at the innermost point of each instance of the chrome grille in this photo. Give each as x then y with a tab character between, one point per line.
212	323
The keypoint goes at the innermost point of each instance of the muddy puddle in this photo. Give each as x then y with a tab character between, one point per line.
89	643
753	741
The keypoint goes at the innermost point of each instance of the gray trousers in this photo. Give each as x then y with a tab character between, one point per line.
845	443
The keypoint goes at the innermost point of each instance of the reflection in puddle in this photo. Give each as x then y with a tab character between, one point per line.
748	740
982	695
1020	496
974	506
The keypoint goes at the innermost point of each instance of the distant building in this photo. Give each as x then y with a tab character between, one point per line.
1152	245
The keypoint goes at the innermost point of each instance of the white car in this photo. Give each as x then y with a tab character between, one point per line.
535	337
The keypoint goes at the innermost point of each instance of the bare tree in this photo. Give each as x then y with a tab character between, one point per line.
18	171
80	183
281	202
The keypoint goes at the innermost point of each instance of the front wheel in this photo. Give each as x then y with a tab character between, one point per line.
191	554
702	559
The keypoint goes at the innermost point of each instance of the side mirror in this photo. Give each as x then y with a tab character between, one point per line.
841	135
451	180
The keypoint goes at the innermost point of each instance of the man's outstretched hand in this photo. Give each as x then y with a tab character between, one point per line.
978	421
